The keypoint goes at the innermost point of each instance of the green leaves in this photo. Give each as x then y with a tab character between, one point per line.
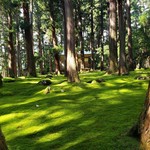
144	19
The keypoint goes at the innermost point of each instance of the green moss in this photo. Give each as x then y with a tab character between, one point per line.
95	116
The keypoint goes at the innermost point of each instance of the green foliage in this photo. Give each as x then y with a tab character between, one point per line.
24	25
141	30
58	48
143	19
72	116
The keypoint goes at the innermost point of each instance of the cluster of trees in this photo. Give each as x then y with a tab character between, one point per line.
34	33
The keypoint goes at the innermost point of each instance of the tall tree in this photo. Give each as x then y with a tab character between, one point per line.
129	30
92	35
122	58
72	73
54	37
38	18
113	65
11	49
65	36
7	11
29	39
4	47
80	32
18	48
102	37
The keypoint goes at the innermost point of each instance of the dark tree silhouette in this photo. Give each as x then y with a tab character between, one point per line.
3	145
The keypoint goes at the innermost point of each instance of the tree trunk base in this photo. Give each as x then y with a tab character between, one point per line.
142	129
3	145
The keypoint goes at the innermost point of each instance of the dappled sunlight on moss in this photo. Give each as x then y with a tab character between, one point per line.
124	91
66	118
9	117
57	114
50	137
21	101
25	131
31	82
114	102
72	143
67	101
84	137
87	122
72	116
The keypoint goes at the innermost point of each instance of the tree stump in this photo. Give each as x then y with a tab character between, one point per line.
3	145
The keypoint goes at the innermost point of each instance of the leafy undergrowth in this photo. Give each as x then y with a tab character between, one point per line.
78	116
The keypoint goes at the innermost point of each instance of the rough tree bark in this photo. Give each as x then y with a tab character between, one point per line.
54	38
39	37
29	41
141	130
113	65
102	38
40	49
122	59
80	34
72	73
130	52
3	145
65	37
145	123
11	50
92	36
19	64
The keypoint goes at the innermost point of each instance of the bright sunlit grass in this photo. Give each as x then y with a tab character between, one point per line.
90	116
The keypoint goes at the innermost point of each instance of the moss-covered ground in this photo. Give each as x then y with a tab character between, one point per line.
78	116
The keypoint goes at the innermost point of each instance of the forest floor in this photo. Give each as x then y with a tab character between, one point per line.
78	116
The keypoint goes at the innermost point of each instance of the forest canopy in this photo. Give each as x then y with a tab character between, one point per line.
111	35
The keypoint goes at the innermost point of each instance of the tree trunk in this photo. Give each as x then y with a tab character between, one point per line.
102	39
40	46
65	37
18	46
5	67
40	49
72	73
145	123
122	59
130	52
39	37
80	35
11	50
92	38
141	129
29	41
4	61
54	39
113	64
3	145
